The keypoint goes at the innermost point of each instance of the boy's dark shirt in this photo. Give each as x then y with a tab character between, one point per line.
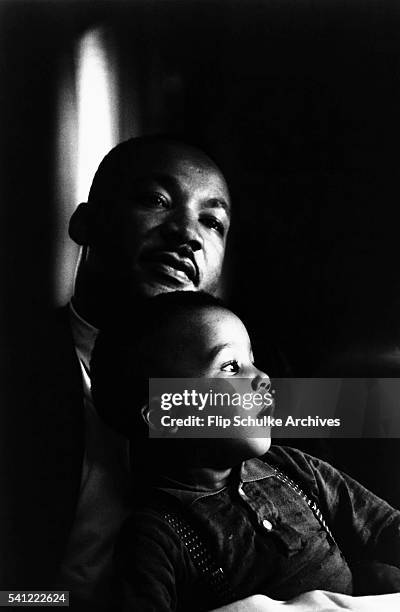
294	557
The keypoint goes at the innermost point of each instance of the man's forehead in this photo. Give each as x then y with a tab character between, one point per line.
164	158
169	165
140	160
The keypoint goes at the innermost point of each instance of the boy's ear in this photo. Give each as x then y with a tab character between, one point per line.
151	415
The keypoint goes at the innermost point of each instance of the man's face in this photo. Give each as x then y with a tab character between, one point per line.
165	227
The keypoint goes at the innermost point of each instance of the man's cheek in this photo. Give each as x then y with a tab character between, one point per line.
136	238
214	258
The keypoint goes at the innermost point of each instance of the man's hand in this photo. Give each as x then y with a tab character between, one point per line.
317	601
324	601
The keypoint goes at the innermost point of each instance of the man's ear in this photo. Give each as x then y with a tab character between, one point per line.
79	225
151	415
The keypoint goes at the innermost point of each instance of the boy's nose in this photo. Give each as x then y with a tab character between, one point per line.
261	382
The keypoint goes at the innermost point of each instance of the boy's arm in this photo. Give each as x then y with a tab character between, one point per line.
365	526
151	563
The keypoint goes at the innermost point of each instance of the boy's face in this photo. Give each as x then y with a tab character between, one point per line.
213	343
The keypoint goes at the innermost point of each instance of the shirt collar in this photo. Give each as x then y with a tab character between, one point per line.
84	335
250	471
255	469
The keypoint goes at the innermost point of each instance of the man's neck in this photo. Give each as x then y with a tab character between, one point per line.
91	299
93	306
96	303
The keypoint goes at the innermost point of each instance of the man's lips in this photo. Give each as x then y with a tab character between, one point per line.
168	263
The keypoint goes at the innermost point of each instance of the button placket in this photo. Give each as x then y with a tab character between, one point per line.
242	493
267	525
258	508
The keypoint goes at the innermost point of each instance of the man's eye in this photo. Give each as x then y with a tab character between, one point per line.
232	367
214	223
153	200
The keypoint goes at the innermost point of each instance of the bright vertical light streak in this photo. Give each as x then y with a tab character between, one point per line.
87	130
96	105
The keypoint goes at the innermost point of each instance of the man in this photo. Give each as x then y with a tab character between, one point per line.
156	220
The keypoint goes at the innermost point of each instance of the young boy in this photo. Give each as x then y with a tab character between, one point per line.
265	521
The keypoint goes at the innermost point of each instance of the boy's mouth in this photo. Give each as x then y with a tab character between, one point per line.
267	409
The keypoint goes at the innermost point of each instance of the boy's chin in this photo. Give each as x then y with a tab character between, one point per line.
234	451
258	446
261	446
220	453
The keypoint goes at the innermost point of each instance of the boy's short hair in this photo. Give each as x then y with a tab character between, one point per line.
125	356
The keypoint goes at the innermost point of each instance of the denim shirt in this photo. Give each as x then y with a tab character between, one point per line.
264	535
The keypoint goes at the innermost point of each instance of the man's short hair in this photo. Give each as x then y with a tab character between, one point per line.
110	172
122	360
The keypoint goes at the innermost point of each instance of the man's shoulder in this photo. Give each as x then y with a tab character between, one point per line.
44	442
50	331
38	330
54	323
42	354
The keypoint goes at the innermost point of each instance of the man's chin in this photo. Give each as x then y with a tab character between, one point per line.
151	288
152	284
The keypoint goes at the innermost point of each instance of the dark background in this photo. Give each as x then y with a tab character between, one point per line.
298	101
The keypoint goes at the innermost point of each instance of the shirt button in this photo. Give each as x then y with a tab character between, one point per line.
267	525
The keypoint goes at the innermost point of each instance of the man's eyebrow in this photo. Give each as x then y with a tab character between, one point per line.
171	183
218	203
217	349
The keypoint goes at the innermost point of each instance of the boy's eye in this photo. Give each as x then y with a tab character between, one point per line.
231	367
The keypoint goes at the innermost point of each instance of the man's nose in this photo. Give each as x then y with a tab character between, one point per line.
261	381
182	228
